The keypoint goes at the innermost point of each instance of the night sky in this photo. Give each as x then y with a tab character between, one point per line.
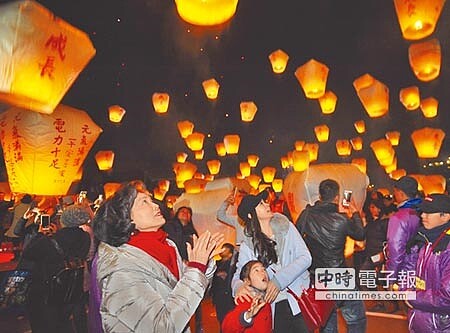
144	47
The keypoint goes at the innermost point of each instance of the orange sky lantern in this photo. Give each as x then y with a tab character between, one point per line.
383	151
41	56
194	141
104	159
343	147
391	167
198	154
206	12
433	184
361	163
220	149
410	97
183	172
373	95
254	180
284	162
425	59
418	19
312	77
181	157
328	102
213	166
211	88
43	153
360	126
116	113
195	185
268	173
277	185
393	137
164	185
300	160
278	60
322	133
245	169
232	142
110	189
428	141
313	149
252	160
248	111
429	107
397	174
357	143
160	102
185	128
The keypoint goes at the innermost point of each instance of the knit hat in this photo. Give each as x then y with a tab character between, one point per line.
74	216
435	203
408	185
249	203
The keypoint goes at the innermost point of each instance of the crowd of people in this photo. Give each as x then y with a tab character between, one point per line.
147	272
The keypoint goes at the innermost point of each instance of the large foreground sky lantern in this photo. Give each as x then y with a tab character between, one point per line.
425	59
312	77
43	153
41	56
418	18
206	12
428	141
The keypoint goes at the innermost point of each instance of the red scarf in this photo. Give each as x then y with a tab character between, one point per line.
155	244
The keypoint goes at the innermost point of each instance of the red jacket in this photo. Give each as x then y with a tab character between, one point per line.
234	322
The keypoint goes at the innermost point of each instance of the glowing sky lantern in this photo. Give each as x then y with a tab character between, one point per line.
284	162
429	107
41	56
183	172
206	12
195	185
268	173
185	127
383	151
160	102
211	88
199	154
43	153
410	97
110	189
213	166
391	167
299	144
373	95
116	113
397	174
220	149
313	149
425	59
312	77
248	111
328	102
104	159
361	163
232	142
277	185
343	147
181	157
164	185
393	137
194	141
360	126
245	169
252	160
357	143
300	160
418	19
428	141
322	133
433	184
159	194
278	60
254	180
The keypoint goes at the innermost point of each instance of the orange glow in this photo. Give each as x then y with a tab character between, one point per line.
300	160
393	137
428	141
231	142
206	12
410	97
312	77
429	107
328	102
357	143
313	149
361	163
194	141
322	133
220	149
104	159
268	174
160	102
383	151
425	59
213	166
211	88
116	113
248	111
360	126
343	147
252	160
185	128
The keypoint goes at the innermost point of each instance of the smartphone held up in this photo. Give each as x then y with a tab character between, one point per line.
347	198
45	221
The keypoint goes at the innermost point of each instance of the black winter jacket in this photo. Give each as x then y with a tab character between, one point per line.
325	230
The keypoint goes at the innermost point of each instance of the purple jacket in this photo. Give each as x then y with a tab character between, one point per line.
431	312
402	226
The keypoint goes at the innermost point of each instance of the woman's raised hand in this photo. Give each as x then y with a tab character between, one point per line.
204	247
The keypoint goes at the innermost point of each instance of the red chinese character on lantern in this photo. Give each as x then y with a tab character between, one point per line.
58	140
72	142
55	151
59	124
48	67
85	129
83	140
54	163
57	43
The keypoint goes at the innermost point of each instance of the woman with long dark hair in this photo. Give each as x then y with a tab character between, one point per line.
272	239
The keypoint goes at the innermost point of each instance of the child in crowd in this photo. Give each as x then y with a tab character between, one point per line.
254	315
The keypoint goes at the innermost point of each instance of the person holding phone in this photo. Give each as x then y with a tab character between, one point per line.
325	230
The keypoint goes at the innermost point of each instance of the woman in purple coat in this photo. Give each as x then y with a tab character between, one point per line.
429	255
